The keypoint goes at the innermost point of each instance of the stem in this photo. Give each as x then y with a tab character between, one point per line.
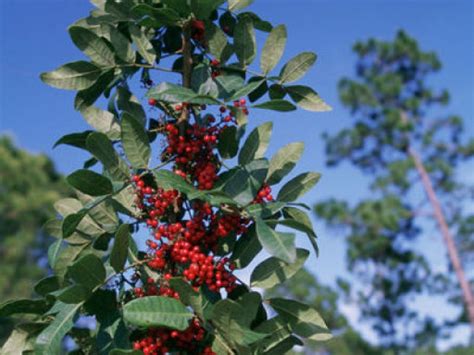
148	66
187	65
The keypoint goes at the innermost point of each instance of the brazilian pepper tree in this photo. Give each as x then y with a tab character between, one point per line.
168	171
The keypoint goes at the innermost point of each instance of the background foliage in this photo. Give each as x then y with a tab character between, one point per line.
30	186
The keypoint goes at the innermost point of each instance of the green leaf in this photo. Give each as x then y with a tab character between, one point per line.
135	142
90	182
101	148
291	223
163	16
256	144
171	93
228	144
157	311
187	295
125	202
124	352
101	211
257	170
53	227
209	88
307	98
297	67
304	320
276	105
251	302
278	330
202	82
203	8
258	23
73	76
103	121
264	210
299	216
284	346
299	220
172	39
276	92
284	161
246	90
245	44
220	345
236	5
144	46
47	285
273	271
273	48
216	40
92	45
298	186
53	252
230	318
119	10
50	339
278	244
228	85
119	253
74	294
23	306
259	91
66	257
236	184
128	102
88	271
77	140
70	206
71	222
16	343
89	96
169	180
216	197
121	44
246	249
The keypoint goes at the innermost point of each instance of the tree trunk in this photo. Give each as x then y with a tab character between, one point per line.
447	236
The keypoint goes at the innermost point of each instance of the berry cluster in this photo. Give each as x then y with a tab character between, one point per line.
198	30
242	104
264	194
215	70
186	234
192	148
162	341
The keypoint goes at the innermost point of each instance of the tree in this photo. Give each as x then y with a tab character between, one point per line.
306	288
409	153
29	186
177	291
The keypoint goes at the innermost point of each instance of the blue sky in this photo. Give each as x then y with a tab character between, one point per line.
33	39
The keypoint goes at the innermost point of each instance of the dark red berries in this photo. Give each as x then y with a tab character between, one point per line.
162	341
185	234
197	30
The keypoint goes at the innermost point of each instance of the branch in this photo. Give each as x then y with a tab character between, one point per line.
187	65
131	266
147	66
